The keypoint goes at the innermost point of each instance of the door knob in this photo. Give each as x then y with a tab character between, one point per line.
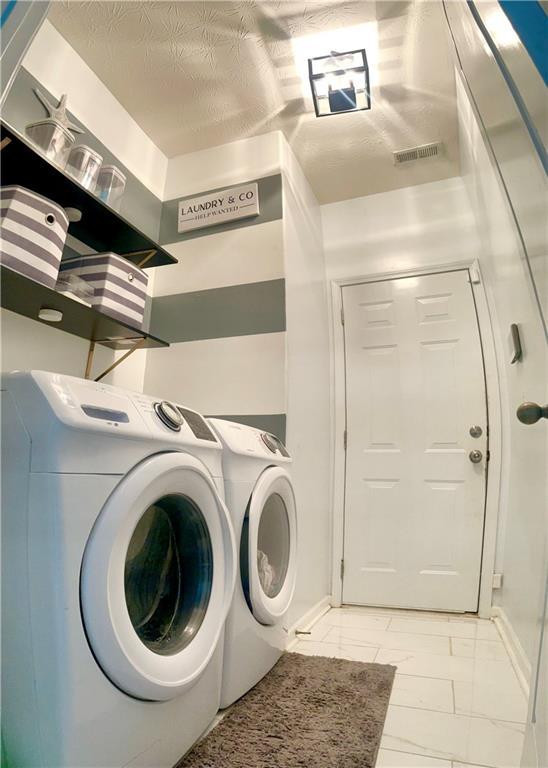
530	413
475	456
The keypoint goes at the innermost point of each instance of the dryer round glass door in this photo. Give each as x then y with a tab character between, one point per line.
157	577
273	543
269	546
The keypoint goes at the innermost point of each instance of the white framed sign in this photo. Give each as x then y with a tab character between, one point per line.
219	207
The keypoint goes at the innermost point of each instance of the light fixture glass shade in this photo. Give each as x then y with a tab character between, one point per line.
340	82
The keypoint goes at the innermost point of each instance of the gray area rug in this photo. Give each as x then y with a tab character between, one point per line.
308	712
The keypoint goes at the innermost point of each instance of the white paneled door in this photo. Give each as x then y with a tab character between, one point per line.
416	443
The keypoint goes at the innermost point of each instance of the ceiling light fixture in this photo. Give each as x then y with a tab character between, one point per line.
340	82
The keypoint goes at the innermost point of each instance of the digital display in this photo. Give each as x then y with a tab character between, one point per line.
105	414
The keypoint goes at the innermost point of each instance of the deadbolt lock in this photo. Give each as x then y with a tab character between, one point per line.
475	456
476	431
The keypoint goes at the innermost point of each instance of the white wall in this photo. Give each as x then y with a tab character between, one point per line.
410	228
243	375
523	521
30	345
221	166
308	383
231	257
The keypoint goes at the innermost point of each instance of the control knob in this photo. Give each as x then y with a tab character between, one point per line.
169	415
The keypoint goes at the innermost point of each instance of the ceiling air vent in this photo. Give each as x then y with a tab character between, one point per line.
418	153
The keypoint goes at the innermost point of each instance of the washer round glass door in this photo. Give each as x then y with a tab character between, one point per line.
271	546
157	577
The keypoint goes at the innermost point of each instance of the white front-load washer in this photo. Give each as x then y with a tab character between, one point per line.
118	569
260	498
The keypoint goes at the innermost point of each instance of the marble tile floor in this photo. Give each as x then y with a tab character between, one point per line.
456	701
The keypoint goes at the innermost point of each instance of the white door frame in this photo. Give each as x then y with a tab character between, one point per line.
494	417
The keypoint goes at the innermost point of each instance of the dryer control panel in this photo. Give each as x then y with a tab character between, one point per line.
273	443
246	440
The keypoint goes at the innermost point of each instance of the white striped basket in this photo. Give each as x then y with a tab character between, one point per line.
120	286
33	234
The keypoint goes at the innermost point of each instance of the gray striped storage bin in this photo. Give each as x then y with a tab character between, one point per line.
120	286
34	231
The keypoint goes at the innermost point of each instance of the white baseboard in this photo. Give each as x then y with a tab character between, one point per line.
308	620
518	657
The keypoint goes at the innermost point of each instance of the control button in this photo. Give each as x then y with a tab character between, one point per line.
169	415
269	442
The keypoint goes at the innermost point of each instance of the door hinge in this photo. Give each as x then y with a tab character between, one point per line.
497	581
342	570
342	315
345	439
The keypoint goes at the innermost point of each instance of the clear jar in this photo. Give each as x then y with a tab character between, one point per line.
84	164
52	139
110	186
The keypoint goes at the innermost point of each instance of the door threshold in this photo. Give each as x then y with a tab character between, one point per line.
417	612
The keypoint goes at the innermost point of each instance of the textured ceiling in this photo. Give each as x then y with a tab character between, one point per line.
199	74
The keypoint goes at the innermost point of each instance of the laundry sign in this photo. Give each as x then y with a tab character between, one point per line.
219	207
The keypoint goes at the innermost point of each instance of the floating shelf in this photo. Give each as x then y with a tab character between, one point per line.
26	297
101	228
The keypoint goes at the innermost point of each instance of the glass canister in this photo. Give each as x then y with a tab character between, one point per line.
84	164
52	138
111	184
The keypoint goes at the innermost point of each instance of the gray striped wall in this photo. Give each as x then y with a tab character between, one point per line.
226	312
275	423
234	310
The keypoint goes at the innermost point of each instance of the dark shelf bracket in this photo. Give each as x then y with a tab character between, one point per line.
89	363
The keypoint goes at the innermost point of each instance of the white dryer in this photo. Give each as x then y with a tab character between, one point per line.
260	498
119	564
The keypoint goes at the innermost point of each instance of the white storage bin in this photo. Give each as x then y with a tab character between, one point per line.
111	184
34	231
83	164
120	286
